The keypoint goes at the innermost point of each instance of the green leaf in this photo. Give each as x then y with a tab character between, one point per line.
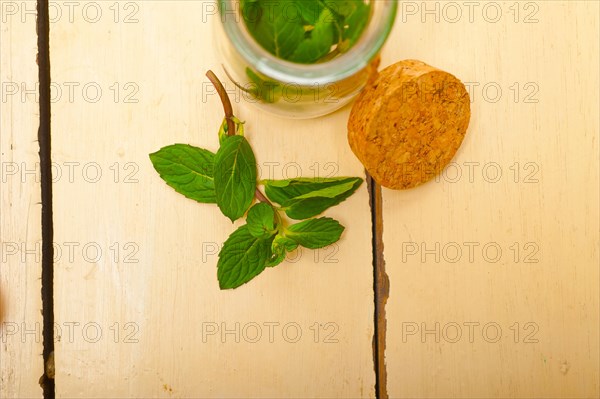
280	247
315	233
352	17
187	169
305	198
235	177
266	90
285	242
242	258
261	220
320	41
342	8
356	21
274	31
329	192
224	129
278	255
310	10
276	258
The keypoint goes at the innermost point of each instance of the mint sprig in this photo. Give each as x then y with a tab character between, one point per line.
229	179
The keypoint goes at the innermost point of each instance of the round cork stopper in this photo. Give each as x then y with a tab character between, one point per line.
408	123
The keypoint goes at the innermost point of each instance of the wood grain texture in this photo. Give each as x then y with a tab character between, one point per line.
161	287
21	363
527	173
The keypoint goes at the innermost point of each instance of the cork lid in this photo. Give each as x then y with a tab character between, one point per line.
408	123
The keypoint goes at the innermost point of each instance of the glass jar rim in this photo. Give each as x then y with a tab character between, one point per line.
341	67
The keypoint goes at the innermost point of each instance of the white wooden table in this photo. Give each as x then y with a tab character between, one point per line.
493	267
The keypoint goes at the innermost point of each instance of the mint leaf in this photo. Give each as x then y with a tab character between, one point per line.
277	257
315	233
266	90
224	129
310	10
284	242
356	21
352	17
342	8
278	254
187	169
305	198
318	44
277	33
235	177
280	247
242	258
329	192
261	220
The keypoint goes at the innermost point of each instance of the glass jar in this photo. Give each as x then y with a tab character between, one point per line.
296	90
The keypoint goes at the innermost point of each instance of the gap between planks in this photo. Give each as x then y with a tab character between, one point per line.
381	288
43	61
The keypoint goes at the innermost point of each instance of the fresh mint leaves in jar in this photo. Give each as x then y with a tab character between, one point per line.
302	58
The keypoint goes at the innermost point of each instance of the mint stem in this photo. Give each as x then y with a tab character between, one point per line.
225	100
261	197
230	122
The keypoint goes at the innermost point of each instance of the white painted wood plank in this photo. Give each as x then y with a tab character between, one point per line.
21	363
539	140
165	295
